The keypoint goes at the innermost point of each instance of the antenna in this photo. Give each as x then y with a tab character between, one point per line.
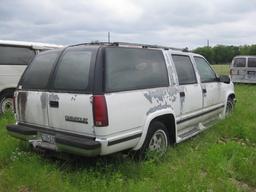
108	37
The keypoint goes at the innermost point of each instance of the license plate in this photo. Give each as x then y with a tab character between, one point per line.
48	138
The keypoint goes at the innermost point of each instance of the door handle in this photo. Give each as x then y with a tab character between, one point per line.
54	104
182	94
204	91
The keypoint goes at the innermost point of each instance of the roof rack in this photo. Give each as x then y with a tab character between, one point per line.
148	46
125	44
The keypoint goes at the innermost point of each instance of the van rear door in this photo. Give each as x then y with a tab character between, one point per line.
251	69
32	96
238	69
69	106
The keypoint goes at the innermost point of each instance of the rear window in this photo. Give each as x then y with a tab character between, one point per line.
131	69
38	72
239	62
15	55
72	73
251	62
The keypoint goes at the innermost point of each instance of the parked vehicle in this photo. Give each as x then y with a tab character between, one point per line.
14	57
243	69
98	99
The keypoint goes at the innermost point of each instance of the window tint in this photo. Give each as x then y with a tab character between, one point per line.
15	55
239	62
205	71
251	62
185	70
38	72
129	68
73	71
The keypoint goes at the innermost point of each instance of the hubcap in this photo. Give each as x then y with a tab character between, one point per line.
7	105
158	142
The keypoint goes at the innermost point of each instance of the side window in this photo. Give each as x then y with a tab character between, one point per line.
239	62
38	72
130	68
72	73
251	62
15	55
205	71
185	70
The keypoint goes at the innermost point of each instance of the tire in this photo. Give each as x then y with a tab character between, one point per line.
6	102
156	142
230	107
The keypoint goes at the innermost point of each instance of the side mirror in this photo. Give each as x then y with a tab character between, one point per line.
224	79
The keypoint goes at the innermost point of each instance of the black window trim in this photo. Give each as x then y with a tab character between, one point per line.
194	83
132	89
209	81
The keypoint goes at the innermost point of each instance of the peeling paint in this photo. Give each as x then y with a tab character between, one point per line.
161	98
73	98
43	99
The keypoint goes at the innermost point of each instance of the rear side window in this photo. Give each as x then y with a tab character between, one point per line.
251	62
72	73
129	69
205	71
185	69
239	62
15	55
38	72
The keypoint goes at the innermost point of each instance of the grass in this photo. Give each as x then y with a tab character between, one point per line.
223	158
221	69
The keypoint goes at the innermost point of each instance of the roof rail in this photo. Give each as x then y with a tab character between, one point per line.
133	45
148	46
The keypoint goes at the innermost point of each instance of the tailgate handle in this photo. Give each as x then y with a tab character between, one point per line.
182	94
54	104
204	90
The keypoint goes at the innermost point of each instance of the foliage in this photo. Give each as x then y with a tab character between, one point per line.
224	54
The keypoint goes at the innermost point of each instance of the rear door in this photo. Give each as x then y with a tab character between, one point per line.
69	104
238	69
189	91
251	69
32	97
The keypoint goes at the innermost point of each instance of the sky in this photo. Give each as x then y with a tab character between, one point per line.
176	23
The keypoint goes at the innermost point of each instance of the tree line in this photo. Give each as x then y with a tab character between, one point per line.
222	54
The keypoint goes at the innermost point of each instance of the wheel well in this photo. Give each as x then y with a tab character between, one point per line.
232	96
8	90
169	121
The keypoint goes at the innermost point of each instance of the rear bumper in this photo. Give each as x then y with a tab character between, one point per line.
64	142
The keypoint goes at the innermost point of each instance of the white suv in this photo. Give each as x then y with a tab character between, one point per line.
97	99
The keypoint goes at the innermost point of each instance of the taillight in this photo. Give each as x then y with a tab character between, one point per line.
100	111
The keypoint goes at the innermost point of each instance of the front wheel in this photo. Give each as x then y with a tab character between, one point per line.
230	107
156	142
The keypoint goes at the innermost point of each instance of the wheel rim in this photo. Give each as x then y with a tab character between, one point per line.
7	105
229	108
158	142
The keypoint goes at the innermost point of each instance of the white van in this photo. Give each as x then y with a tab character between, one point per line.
14	57
98	99
243	69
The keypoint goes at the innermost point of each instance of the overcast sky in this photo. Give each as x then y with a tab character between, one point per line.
178	23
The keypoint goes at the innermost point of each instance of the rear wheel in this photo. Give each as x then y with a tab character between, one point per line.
6	102
156	142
